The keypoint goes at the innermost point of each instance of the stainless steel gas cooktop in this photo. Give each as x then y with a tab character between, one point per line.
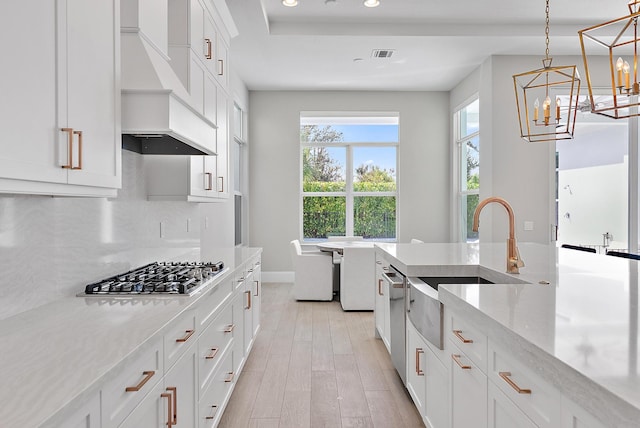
159	278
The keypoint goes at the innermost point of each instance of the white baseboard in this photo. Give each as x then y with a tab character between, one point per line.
277	276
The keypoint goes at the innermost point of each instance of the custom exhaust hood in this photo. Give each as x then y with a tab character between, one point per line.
157	117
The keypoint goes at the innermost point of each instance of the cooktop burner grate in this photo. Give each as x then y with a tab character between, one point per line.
158	278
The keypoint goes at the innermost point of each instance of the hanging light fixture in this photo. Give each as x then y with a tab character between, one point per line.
554	119
619	40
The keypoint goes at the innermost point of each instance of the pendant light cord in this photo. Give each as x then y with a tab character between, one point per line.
546	30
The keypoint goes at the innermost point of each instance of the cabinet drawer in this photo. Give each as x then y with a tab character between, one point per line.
181	335
240	276
215	398
470	341
213	301
124	392
539	400
213	344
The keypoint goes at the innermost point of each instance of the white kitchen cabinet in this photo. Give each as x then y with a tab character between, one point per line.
152	412
381	311
215	398
437	395
257	295
416	366
537	399
503	413
182	178
61	107
574	416
181	383
222	62
87	416
222	160
468	391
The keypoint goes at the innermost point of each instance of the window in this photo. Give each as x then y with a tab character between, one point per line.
467	168
349	164
239	169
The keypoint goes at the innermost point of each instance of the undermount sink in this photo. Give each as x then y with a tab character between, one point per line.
435	281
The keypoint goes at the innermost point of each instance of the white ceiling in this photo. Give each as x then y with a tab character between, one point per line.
436	43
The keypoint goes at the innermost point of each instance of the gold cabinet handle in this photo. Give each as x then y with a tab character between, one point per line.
215	410
208	54
257	288
186	337
456	358
208	181
222	186
79	134
212	354
220	67
69	132
230	377
169	411
419	371
380	287
174	391
229	328
248	293
147	375
459	335
506	376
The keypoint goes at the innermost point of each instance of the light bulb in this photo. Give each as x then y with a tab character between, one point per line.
371	3
290	3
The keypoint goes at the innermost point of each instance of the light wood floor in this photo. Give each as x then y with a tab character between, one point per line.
313	365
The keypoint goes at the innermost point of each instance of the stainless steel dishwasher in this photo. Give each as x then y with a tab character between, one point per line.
397	316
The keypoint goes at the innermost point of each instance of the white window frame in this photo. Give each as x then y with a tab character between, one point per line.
349	194
459	225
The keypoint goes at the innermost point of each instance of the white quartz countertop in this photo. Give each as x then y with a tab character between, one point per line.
579	331
56	353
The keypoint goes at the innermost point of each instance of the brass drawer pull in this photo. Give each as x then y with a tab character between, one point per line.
147	375
215	410
208	181
459	335
230	378
248	293
221	67
174	390
456	358
380	287
69	132
212	354
79	134
506	377
169	412
419	371
186	336
221	182
257	288
229	328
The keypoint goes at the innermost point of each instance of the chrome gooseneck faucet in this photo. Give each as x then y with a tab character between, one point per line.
514	262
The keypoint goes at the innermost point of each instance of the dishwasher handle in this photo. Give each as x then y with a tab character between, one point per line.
395	280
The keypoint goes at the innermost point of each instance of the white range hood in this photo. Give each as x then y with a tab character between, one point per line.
156	115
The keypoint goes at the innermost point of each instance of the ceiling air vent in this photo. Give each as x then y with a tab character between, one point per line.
382	53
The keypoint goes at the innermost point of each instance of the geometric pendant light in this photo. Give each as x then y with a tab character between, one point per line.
545	111
617	41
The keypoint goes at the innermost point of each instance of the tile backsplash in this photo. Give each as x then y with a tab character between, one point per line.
50	247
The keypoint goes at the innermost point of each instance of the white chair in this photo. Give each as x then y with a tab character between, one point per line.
358	279
416	241
313	273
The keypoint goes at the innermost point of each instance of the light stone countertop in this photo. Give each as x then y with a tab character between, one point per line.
579	332
54	354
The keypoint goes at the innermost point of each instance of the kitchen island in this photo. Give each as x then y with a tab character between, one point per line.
575	324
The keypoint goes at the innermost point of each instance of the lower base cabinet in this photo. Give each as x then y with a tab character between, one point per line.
427	380
88	416
503	413
468	391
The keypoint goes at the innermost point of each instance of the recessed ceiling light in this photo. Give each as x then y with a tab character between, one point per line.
290	3
372	3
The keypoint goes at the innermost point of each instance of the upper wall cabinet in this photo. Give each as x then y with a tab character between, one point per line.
60	103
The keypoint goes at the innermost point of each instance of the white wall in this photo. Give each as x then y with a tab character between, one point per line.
521	172
423	176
